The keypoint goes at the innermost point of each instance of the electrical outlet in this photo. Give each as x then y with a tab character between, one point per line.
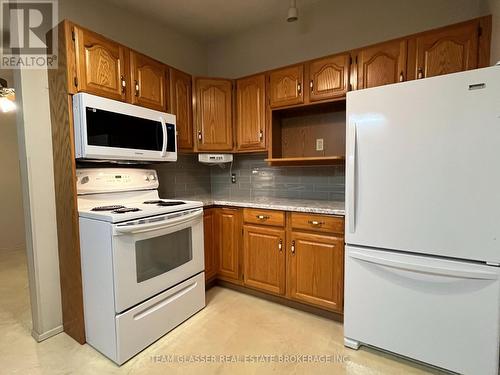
233	178
319	144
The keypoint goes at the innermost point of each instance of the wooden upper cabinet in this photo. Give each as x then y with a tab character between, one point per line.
251	113
448	50
181	105
264	255
315	264
101	65
286	86
228	232
210	244
148	79
329	77
214	114
381	64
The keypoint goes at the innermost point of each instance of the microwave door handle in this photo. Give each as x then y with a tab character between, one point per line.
165	140
148	227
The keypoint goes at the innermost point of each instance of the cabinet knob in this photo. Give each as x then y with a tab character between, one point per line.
261	134
420	73
280	245
293	247
136	88
311	85
401	77
263	217
199	135
299	88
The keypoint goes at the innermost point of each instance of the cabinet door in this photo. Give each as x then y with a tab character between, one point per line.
286	86
264	258
101	65
315	270
149	82
209	244
448	50
382	64
251	113
329	77
228	233
181	106
214	114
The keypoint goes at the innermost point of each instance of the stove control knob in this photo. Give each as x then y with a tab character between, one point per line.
146	178
152	177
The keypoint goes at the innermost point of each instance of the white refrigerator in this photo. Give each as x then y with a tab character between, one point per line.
422	276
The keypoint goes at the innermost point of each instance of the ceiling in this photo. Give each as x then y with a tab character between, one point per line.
207	20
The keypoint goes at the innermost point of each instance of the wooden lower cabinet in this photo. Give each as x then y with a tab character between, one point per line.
315	269
209	243
228	233
294	258
264	258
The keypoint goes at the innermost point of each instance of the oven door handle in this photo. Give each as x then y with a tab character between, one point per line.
165	135
148	227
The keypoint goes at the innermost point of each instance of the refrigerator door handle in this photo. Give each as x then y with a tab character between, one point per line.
351	160
450	271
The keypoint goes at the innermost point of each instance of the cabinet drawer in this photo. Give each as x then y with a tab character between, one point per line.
320	223
264	217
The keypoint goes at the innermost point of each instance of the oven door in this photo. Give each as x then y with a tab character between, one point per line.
112	130
153	254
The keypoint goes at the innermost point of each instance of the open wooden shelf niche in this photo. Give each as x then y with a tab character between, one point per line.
296	132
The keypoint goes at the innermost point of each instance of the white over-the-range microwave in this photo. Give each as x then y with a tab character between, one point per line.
111	130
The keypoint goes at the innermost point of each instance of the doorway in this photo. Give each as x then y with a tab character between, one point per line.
15	311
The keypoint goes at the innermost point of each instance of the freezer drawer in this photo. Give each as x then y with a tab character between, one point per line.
442	312
147	322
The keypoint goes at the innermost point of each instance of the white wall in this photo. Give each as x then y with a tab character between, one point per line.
11	215
146	36
332	26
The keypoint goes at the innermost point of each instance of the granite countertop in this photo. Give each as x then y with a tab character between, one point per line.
281	204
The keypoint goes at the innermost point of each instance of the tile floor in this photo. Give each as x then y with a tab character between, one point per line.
232	324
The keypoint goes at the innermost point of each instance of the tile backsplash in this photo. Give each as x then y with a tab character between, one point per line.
185	178
254	179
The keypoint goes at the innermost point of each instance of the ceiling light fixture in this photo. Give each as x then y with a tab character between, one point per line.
7	97
293	13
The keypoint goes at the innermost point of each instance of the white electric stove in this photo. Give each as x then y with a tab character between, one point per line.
142	259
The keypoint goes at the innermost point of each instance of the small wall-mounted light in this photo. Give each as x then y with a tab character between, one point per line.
293	13
7	97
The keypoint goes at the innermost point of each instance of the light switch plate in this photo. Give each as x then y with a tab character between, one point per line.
319	144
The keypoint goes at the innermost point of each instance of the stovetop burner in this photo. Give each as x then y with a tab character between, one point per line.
108	208
124	210
163	203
